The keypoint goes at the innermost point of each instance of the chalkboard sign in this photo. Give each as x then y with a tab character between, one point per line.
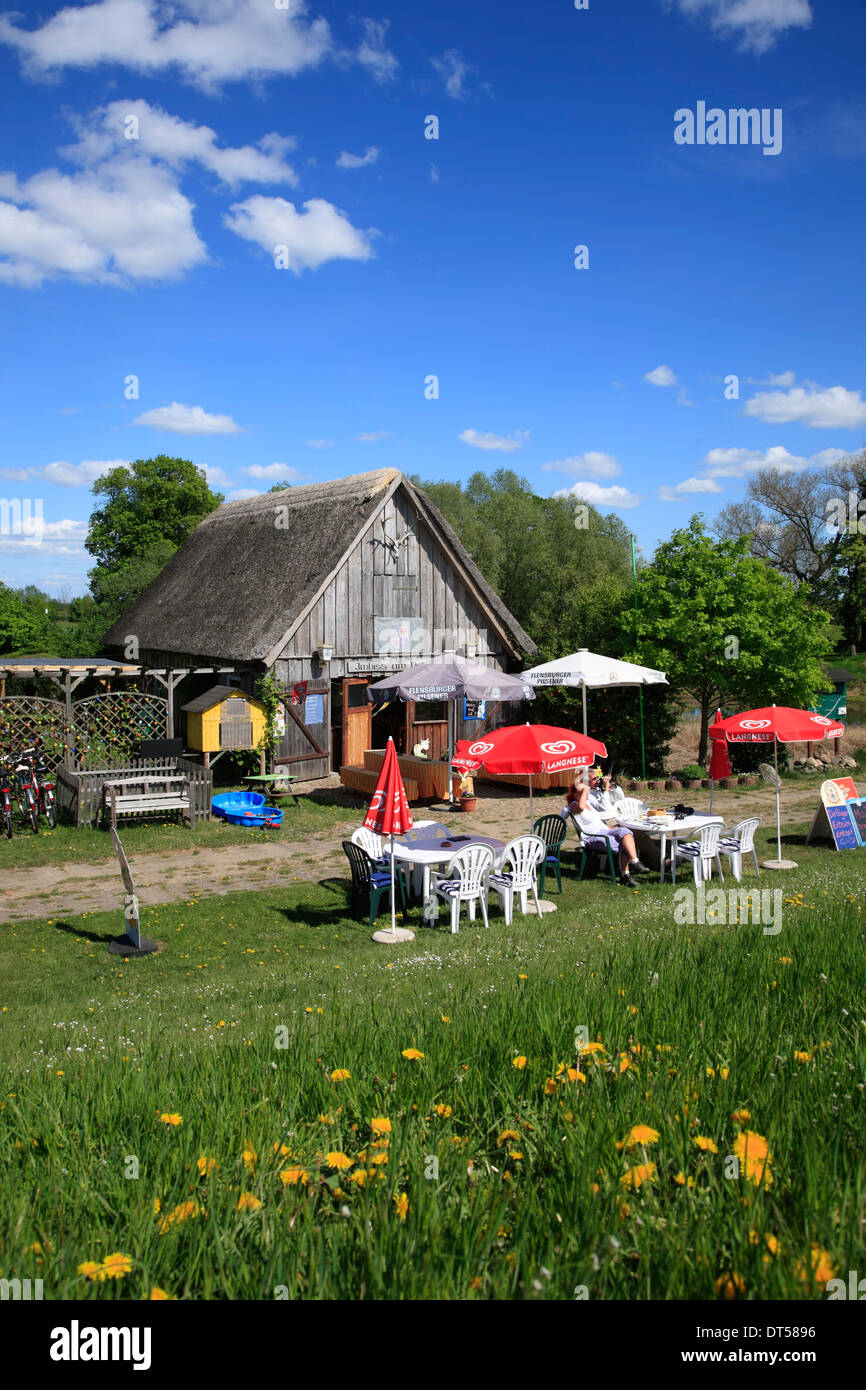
858	811
843	827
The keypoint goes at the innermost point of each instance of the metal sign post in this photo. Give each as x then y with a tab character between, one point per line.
132	943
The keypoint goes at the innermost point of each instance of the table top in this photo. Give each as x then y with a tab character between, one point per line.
270	777
670	826
424	851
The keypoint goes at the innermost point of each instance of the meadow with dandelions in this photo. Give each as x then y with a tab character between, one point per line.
600	1105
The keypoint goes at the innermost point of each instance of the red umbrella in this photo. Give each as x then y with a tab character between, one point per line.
389	814
776	724
720	763
527	749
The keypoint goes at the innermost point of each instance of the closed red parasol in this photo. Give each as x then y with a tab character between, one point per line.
720	763
389	814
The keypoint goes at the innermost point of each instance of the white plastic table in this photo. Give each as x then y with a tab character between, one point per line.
677	829
427	853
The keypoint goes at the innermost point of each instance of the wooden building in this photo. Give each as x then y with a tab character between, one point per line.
327	586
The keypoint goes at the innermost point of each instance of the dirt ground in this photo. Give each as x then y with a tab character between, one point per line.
72	888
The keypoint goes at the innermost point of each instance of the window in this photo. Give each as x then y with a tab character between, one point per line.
429	711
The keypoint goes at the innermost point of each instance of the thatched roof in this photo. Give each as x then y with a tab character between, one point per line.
239	581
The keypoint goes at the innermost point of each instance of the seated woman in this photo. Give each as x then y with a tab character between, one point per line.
601	796
597	835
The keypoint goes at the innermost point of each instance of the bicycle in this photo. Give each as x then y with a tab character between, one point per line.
6	783
43	787
24	794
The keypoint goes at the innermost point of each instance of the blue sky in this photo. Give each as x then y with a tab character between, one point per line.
304	127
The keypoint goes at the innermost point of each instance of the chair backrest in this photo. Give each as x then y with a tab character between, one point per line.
524	854
368	840
745	833
709	839
361	865
552	830
629	808
471	865
427	830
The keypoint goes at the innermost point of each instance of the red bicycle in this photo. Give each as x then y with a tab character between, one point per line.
6	783
43	786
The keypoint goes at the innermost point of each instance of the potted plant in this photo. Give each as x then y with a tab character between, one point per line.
691	776
468	799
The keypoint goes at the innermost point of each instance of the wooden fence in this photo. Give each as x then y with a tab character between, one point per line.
79	794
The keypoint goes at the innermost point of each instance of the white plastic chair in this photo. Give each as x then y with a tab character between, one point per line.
466	880
371	842
703	850
524	854
741	841
629	808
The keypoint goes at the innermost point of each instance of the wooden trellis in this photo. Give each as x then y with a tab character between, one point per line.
24	716
109	727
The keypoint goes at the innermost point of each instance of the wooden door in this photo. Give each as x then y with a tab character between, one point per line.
357	722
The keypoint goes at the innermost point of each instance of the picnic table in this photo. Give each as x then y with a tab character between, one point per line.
272	785
148	793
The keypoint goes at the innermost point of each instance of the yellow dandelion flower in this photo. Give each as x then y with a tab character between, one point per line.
247	1202
519	1063
507	1134
442	1110
359	1177
338	1160
705	1143
157	1206
91	1269
183	1212
340	1074
515	1154
640	1134
586	1049
116	1266
641	1173
282	1149
412	1054
402	1204
624	1064
752	1151
802	1056
682	1181
205	1165
724	1073
819	1266
549	1086
381	1125
572	1074
158	1295
475	1282
290	1177
742	1117
730	1285
171	1119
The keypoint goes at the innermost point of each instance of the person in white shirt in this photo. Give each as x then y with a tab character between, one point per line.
596	834
602	796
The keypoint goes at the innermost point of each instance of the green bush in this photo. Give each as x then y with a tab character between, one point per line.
690	772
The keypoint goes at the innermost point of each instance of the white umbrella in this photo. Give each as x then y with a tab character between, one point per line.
590	671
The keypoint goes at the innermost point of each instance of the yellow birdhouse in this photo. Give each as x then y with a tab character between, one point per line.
224	718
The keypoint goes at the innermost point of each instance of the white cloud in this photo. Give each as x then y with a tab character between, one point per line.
372	438
739	463
688	486
80	474
208	41
683	398
320	443
187	419
54	538
127	220
453	68
782	379
216	476
321	233
177	143
242	494
617	497
833	407
373	53
590	465
18	475
505	443
758	24
274	471
358	161
660	376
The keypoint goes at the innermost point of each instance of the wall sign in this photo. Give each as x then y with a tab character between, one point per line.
474	709
314	709
841	815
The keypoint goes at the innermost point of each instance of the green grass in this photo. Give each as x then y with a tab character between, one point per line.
708	1020
66	844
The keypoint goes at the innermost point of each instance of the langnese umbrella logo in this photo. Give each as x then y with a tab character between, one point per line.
754	723
376	803
559	749
822	720
477	749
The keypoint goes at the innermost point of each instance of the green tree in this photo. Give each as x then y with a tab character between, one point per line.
23	626
728	628
148	503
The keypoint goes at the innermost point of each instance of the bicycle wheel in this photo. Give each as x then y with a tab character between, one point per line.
7	818
34	816
50	814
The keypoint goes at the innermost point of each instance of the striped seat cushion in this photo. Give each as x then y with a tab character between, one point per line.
502	879
450	885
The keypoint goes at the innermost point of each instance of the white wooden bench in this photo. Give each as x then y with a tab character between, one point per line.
152	793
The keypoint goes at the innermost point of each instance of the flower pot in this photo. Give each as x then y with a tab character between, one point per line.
705	782
468	803
693	784
750	781
637	784
654	785
673	785
726	783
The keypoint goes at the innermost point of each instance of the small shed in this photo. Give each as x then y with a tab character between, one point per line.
224	718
